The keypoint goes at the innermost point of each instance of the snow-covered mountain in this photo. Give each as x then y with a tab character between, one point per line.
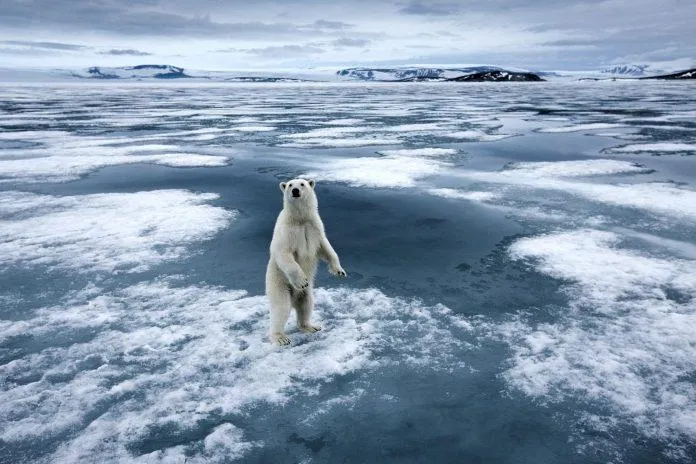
498	76
628	70
416	73
143	71
165	71
400	74
688	74
640	72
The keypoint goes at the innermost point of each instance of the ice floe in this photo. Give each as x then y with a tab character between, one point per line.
657	148
386	171
105	232
250	128
428	152
576	168
475	136
628	340
327	132
582	127
343	122
463	195
655	197
338	136
341	142
155	356
62	156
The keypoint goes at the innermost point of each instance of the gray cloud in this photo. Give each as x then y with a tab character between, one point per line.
525	33
348	42
422	47
431	9
572	42
44	45
127	52
335	25
448	8
632	43
24	52
140	18
294	50
284	51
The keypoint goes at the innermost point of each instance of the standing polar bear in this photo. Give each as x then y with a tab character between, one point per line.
299	241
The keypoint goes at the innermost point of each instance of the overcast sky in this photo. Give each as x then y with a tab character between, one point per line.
256	34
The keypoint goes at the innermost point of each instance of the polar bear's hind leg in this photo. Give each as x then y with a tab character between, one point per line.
281	303
304	305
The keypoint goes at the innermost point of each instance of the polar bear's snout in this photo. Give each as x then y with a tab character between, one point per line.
296	192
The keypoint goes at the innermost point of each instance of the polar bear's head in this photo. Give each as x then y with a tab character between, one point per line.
299	193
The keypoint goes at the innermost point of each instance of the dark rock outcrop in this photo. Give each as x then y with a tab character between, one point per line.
498	76
406	74
688	74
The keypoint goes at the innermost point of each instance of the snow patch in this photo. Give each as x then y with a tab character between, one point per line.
463	195
326	132
343	122
428	152
341	143
576	168
660	198
659	147
628	340
63	156
338	136
582	127
162	357
105	232
253	128
385	172
475	136
190	160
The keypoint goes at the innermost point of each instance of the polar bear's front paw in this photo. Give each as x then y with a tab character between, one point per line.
337	270
309	328
280	339
300	283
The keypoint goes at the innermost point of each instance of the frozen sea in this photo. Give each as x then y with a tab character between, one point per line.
521	259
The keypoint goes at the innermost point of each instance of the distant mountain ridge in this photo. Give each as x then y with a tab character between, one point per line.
455	73
688	74
463	74
498	76
166	71
262	79
633	70
143	71
407	74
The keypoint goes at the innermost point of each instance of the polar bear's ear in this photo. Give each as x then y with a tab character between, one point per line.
282	186
312	183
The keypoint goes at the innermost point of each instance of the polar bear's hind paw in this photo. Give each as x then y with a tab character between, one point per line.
280	339
310	328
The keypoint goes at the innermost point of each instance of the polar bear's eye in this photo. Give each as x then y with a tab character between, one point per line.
302	184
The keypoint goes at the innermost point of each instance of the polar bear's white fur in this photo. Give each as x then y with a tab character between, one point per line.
299	241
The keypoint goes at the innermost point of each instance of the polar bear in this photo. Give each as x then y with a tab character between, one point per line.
299	241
